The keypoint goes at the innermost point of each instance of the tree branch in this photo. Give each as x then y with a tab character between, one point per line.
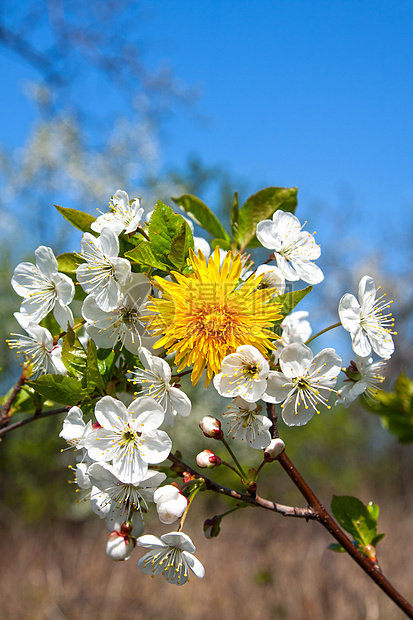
321	515
286	511
5	410
35	416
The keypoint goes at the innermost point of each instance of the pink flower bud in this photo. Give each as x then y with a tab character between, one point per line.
273	450
211	427
207	459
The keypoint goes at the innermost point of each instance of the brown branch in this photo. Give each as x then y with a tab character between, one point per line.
321	515
286	511
35	416
273	416
5	410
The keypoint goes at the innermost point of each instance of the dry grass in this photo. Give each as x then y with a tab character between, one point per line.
261	566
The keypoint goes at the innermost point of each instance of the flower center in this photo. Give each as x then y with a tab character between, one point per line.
129	436
129	317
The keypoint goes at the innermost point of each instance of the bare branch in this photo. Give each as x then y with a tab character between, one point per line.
286	511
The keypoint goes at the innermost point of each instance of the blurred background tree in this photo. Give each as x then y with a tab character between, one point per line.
99	119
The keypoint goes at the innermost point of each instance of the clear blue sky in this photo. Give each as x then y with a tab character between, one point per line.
308	93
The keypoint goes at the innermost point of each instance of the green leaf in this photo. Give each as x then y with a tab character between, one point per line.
261	206
377	539
234	216
373	510
78	219
290	300
95	369
396	408
202	215
336	547
355	517
50	323
143	255
74	356
58	388
69	262
180	245
165	229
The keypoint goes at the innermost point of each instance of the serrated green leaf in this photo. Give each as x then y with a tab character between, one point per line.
336	547
95	369
59	389
234	217
74	356
143	255
180	245
164	228
78	219
69	262
202	215
261	206
289	300
355	518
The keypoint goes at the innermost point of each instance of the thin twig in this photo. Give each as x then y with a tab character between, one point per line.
35	416
286	511
273	416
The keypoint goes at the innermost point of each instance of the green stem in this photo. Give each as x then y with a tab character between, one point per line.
234	458
196	490
323	331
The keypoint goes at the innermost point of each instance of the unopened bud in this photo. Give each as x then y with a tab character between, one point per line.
273	450
370	552
211	427
119	546
170	503
207	459
212	527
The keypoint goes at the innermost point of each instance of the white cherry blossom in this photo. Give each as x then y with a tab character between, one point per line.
304	383
295	328
363	377
128	437
369	328
155	381
245	423
44	289
123	322
115	500
74	427
243	373
37	347
170	555
103	272
122	215
294	249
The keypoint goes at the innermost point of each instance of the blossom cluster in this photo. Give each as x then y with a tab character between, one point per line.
145	319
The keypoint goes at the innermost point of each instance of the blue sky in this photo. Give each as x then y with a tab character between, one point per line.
307	93
303	93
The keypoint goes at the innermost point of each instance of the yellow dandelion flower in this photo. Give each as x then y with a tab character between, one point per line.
204	316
